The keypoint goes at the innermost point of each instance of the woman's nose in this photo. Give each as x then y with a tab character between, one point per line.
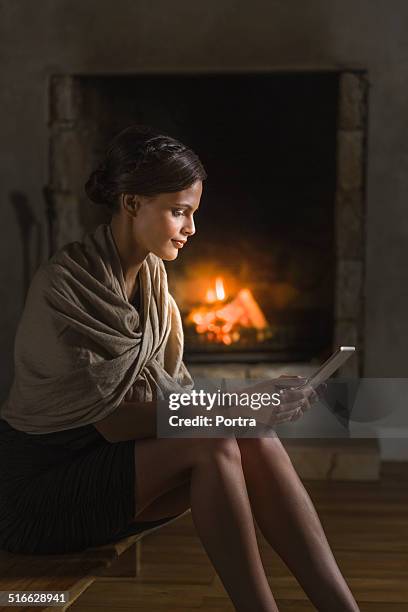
189	227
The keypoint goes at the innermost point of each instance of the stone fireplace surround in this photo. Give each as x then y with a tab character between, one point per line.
71	144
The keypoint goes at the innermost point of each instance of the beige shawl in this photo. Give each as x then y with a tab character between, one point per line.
81	345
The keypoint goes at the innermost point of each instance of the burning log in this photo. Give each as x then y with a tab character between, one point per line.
221	321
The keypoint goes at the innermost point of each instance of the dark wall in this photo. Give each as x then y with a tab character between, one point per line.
132	36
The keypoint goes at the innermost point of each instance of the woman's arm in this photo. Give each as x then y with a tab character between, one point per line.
130	421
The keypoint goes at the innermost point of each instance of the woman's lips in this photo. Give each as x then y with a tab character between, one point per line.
179	244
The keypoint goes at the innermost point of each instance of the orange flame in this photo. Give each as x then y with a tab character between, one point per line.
221	322
219	288
212	295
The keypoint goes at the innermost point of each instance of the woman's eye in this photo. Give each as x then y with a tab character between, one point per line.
177	212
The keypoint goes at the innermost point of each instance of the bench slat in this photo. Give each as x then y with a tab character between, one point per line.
72	572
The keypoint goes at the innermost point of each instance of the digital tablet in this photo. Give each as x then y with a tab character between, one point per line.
330	366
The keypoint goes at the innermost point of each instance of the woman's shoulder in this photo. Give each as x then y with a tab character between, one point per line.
43	275
89	255
41	287
52	274
48	273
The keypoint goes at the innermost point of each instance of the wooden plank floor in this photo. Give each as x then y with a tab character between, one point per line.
367	527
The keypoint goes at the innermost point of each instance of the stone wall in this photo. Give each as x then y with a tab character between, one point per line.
351	217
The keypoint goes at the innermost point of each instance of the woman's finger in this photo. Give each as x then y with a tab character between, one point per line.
291	395
292	408
287	411
307	404
294	416
284	415
310	392
297	415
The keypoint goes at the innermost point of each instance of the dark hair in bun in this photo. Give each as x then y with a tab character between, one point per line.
142	161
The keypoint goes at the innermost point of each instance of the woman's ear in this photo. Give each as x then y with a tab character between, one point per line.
131	203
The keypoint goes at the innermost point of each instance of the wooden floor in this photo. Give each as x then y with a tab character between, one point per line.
367	527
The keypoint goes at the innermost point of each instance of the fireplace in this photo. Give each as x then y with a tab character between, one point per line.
275	270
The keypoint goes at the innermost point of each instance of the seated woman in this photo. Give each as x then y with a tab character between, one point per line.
100	342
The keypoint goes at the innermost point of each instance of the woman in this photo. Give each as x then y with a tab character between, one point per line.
99	342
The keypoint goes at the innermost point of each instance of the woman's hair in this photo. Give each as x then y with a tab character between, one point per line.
142	161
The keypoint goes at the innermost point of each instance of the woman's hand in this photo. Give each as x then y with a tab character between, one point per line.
295	399
298	383
308	395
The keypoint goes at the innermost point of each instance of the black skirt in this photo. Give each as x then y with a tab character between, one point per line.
66	491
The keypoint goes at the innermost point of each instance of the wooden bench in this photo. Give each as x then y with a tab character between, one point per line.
71	572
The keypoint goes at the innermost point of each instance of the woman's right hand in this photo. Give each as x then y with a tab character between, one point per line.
295	398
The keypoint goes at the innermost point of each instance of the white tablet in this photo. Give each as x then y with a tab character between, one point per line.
330	366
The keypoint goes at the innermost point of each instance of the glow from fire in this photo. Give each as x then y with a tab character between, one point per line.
212	295
222	319
219	289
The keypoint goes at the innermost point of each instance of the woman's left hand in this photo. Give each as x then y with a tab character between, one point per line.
313	395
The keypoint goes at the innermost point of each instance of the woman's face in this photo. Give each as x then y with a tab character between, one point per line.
164	223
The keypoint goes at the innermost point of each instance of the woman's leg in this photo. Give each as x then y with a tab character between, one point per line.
219	505
286	516
171	503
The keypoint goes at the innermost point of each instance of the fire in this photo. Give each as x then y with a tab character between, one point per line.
217	294
219	289
221	318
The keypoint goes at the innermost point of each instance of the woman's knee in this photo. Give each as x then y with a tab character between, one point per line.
219	449
165	464
271	447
